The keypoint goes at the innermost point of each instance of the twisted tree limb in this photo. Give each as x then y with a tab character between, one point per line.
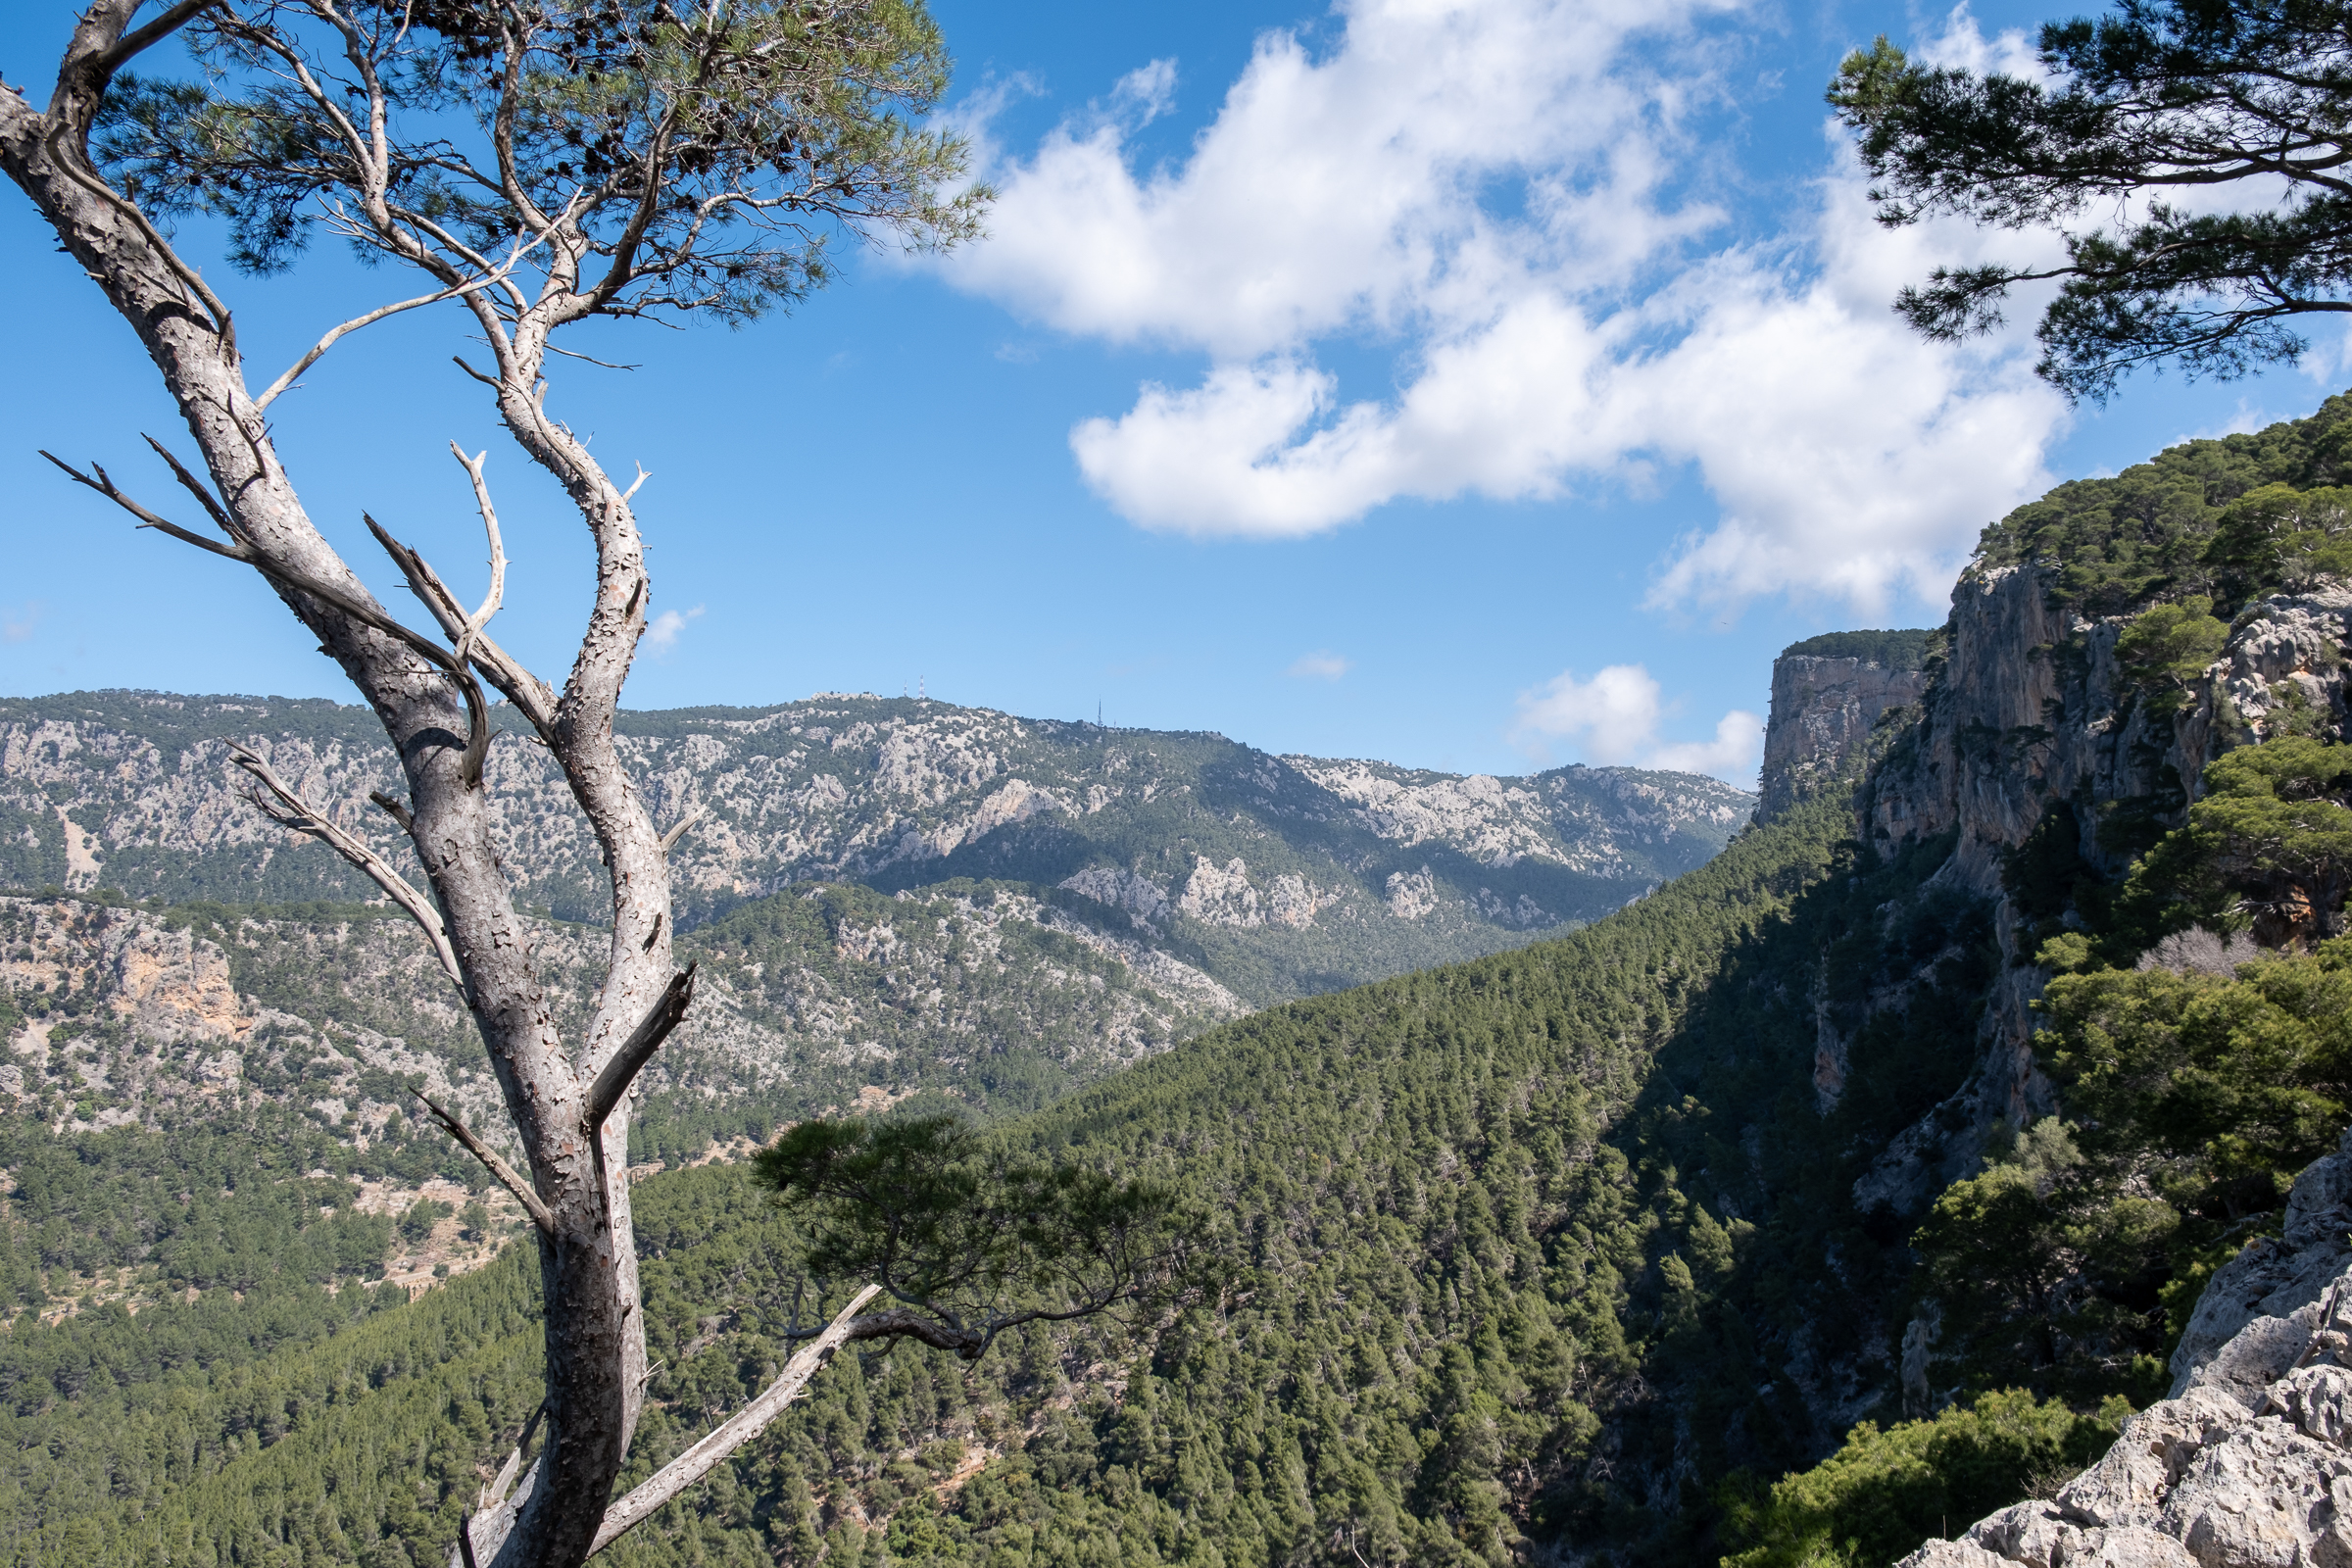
509	1177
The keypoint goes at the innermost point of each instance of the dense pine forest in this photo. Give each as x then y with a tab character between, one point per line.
1428	1231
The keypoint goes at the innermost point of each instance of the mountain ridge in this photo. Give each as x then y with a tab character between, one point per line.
1295	873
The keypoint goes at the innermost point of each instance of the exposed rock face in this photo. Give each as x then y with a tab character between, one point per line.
2030	717
909	991
2249	1463
1823	710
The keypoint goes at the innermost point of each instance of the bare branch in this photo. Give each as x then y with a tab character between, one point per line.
738	1428
669	840
524	689
394	810
496	1491
320	348
303	817
477	710
223	327
197	488
623	1066
498	555
155	33
105	486
509	1177
605	365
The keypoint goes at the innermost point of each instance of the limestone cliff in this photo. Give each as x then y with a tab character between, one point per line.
2034	749
1828	694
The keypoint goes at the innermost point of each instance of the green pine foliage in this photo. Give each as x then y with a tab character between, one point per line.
224	1203
2167	647
2071	1263
2167	528
1883	1493
1896	650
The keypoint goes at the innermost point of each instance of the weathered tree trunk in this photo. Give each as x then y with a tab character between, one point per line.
594	1338
647	234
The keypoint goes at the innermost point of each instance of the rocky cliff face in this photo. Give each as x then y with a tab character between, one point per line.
2033	748
1824	709
2249	1463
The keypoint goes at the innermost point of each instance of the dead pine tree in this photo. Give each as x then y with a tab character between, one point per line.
537	164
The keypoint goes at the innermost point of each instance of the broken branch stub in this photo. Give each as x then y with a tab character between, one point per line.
621	1069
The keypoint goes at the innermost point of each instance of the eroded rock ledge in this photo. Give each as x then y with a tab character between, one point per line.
2249	1463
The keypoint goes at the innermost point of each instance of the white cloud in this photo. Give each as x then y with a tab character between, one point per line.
1496	190
1322	664
17	623
1731	756
1146	92
1613	719
1960	42
661	632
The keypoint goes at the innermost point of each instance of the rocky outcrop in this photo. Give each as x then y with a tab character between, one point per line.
2033	744
2249	1463
1824	709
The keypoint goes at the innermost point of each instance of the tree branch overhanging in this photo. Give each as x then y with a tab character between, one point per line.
738	1428
2160	96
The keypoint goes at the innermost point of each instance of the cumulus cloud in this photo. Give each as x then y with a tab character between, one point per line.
1497	191
1613	719
1322	664
661	632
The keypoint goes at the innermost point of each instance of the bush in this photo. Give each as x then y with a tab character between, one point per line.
1885	1493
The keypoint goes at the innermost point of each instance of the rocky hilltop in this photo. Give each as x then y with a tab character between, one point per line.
1828	693
1279	876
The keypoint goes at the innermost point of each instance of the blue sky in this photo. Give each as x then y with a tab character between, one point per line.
1478	388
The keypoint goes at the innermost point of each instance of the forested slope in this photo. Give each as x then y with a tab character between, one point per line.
1463	1233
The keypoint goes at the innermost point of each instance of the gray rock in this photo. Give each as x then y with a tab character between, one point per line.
2272	1277
2249	1464
1953	1554
1822	710
2028	1533
2124	1548
2265	1496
